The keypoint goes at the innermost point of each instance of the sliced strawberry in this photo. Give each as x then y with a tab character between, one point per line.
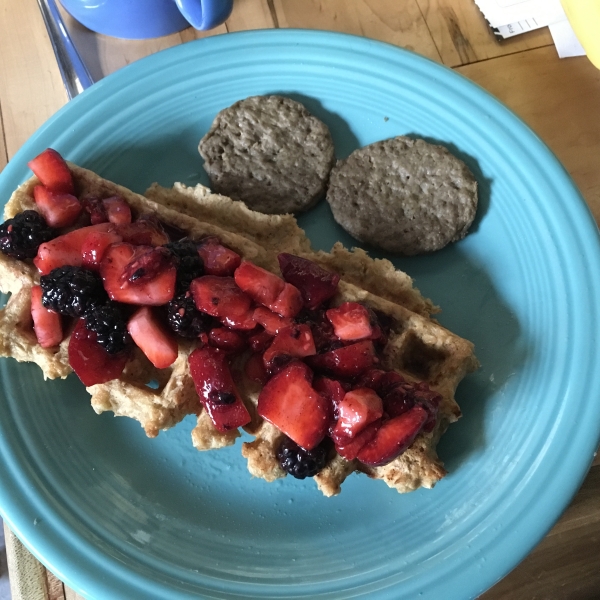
153	288
226	339
393	437
117	210
46	323
272	322
349	447
255	369
217	259
315	283
347	361
358	408
330	388
143	232
95	246
371	379
325	338
398	399
152	337
59	209
351	321
95	208
289	402
220	297
52	170
243	322
65	249
215	387
261	285
289	303
90	361
402	396
259	342
388	381
148	263
333	391
295	341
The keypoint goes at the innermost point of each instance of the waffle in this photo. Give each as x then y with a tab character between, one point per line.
419	348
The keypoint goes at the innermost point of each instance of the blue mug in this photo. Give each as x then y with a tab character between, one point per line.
140	19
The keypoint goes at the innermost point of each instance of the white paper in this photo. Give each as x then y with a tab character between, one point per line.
565	40
509	12
512	29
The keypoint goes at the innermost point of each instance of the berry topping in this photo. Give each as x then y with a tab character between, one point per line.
143	232
95	208
254	369
114	210
109	325
153	338
315	283
58	208
189	263
217	259
402	396
295	341
66	249
220	297
322	329
393	437
52	170
90	361
272	322
289	402
138	274
261	285
147	265
349	447
347	361
46	323
72	291
185	319
289	303
95	246
226	339
117	210
21	236
351	321
259	342
331	389
357	409
301	463
244	322
214	384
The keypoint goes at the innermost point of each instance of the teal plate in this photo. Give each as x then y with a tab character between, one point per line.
117	515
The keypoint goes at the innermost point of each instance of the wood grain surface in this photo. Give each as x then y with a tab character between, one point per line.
559	99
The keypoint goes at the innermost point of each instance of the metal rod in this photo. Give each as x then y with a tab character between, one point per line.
72	69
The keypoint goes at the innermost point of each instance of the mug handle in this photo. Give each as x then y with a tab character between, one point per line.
205	14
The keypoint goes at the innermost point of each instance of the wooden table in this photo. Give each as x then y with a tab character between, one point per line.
559	99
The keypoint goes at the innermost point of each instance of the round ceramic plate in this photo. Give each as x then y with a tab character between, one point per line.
117	515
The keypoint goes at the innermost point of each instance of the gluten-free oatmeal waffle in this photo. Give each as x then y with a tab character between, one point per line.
417	347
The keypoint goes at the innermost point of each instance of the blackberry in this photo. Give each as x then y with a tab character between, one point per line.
21	236
301	463
110	326
72	291
189	263
185	319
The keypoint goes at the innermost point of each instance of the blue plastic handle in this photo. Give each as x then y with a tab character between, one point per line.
205	14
